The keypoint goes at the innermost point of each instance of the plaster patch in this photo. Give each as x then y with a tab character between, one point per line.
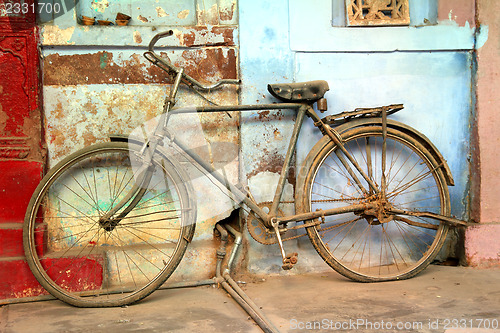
161	12
100	5
451	17
137	37
53	35
263	187
3	119
183	14
481	36
142	19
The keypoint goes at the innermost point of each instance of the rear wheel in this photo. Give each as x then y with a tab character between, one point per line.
370	246
82	260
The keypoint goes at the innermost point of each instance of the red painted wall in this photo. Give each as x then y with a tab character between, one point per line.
21	154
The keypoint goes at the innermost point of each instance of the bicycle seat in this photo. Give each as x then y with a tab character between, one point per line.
301	91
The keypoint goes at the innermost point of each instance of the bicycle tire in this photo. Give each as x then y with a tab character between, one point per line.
359	246
75	258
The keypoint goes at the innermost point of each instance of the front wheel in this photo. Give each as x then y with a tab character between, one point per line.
366	246
86	262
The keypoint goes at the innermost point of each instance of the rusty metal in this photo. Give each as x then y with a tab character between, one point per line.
258	230
384	152
310	91
335	138
346	116
288	158
290	260
334	211
322	105
446	219
275	223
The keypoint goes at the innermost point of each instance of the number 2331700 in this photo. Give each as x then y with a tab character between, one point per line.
25	8
469	323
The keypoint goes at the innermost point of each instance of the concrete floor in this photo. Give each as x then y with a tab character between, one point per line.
437	300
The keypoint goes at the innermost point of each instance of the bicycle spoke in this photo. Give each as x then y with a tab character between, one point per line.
359	245
77	253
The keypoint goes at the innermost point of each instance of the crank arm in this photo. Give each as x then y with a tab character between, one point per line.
289	260
446	219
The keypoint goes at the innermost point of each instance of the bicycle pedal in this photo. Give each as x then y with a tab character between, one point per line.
290	260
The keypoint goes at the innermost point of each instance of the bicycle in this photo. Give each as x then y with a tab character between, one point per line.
110	223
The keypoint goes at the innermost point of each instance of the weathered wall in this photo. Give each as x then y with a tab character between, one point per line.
21	153
96	82
482	242
426	66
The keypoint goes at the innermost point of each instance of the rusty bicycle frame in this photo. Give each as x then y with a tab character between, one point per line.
269	219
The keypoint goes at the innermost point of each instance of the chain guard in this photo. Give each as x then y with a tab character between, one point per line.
267	236
258	230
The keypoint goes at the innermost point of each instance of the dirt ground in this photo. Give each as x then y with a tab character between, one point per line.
441	299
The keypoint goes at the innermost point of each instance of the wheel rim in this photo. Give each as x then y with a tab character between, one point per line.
77	257
371	247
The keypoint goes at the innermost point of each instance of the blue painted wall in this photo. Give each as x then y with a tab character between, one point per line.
426	68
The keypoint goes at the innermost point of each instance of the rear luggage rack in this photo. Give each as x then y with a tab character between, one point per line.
343	117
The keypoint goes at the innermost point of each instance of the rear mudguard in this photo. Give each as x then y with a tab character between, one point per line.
421	138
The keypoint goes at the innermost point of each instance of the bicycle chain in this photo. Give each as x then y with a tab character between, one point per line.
302	226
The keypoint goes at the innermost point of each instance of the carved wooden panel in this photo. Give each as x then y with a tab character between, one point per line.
377	12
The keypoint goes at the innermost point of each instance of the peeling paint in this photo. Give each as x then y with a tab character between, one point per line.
100	5
85	99
76	116
4	117
208	65
161	12
208	16
202	36
226	14
481	36
459	12
183	14
137	37
104	60
52	34
142	19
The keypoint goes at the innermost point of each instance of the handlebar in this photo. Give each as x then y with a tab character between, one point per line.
167	66
157	37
